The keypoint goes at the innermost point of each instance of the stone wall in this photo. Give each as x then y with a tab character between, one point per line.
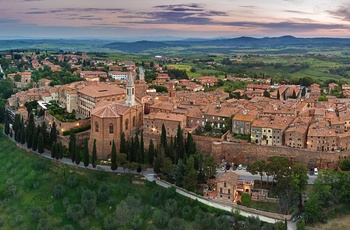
241	153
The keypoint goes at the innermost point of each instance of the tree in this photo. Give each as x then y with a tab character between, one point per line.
190	145
179	172
303	92
300	177
258	167
40	143
35	140
53	150
266	94
121	160
163	140
86	153
294	95
30	134
151	152
167	167
58	150
77	155
23	135
252	223
209	167
53	133
94	155
7	127
72	144
190	177
278	94
122	148
142	149
114	157
180	149
157	164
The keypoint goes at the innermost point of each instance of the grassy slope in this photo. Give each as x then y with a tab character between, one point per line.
34	189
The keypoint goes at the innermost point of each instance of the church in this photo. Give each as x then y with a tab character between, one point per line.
109	119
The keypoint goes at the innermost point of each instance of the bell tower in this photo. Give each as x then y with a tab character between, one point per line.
130	92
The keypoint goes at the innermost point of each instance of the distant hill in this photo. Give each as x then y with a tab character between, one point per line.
136	47
266	45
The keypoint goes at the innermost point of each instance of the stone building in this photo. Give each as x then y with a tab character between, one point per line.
110	118
92	94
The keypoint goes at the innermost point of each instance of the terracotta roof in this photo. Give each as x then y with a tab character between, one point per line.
101	90
246	115
109	109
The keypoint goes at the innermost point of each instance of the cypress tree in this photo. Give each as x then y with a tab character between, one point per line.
40	143
86	153
278	94
72	144
94	155
46	136
60	147
163	141
17	124
53	150
157	162
57	150
35	140
122	148
77	155
114	157
23	135
11	134
142	148
7	126
18	135
131	150
137	150
180	143
191	145
150	155
294	95
53	133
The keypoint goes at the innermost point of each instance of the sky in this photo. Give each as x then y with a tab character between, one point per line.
118	19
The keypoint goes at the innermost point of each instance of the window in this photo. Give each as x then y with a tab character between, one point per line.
133	121
126	124
96	127
111	129
224	184
220	190
229	192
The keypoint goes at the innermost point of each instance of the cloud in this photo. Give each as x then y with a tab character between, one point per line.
296	12
342	12
7	21
180	14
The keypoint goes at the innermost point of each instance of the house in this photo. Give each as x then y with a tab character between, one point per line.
119	75
207	81
296	133
153	123
242	121
226	186
93	75
321	137
44	82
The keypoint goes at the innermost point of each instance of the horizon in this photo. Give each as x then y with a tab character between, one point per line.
208	19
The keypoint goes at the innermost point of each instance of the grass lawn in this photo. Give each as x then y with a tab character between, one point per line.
29	196
340	223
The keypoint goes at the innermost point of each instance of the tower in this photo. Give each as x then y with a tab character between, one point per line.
130	92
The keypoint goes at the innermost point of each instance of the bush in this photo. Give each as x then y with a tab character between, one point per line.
98	214
345	164
40	165
177	224
75	212
44	224
50	209
84	223
157	198
78	130
160	218
58	191
187	213
65	202
171	207
68	227
72	181
88	201
103	192
246	200
110	223
36	214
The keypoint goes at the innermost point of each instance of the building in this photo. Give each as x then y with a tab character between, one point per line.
226	186
269	130
118	75
111	118
322	138
91	94
93	75
153	123
243	120
207	81
44	82
296	133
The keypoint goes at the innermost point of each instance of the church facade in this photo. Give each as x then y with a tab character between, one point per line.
110	119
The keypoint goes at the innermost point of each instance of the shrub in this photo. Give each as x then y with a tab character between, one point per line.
177	224
84	223
72	181
171	207
136	223
50	209
68	227
58	191
88	201
98	214
246	200
160	218
36	214
187	213
110	223
40	165
65	202
157	198
103	192
44	224
75	212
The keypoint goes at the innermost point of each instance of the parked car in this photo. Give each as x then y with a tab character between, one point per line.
315	171
223	168
228	167
240	166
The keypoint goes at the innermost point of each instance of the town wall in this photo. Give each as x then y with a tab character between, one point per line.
64	126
